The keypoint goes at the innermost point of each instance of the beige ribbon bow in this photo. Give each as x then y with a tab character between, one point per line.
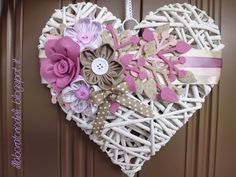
104	98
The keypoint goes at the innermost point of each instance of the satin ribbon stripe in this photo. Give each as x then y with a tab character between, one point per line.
204	71
202	62
201	80
106	99
203	59
205	65
204	53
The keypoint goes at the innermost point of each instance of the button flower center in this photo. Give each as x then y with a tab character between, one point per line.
100	66
82	93
85	37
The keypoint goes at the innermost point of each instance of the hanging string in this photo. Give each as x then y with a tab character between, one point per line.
129	22
128	9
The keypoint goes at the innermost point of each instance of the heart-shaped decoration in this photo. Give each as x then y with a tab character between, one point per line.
130	92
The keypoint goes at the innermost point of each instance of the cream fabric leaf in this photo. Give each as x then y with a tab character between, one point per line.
107	39
189	78
140	86
150	49
150	88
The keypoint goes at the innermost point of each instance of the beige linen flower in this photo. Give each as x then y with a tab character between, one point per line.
99	67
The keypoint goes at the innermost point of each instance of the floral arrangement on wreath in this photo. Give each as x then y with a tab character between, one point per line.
91	68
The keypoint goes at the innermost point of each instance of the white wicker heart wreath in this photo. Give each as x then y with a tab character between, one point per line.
130	92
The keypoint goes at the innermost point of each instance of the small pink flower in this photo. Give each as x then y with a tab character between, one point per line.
82	92
62	62
86	33
77	96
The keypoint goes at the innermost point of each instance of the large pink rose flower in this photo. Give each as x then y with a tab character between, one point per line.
62	63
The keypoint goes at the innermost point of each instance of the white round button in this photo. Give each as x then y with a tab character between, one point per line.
100	66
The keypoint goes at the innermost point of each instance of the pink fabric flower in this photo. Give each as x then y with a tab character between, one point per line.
77	96
86	33
62	62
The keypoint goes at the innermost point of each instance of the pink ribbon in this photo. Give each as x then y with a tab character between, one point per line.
205	65
202	62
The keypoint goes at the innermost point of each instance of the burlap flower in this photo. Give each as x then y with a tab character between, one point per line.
99	67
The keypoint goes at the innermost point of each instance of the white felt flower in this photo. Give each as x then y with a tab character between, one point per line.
77	96
86	33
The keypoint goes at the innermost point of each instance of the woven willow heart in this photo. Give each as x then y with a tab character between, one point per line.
168	70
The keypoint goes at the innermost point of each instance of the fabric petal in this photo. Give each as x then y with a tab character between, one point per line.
115	69
63	82
95	43
72	33
90	110
67	47
79	106
89	76
95	27
76	83
55	57
46	70
105	82
86	57
106	52
68	95
60	70
50	47
85	26
71	64
82	25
